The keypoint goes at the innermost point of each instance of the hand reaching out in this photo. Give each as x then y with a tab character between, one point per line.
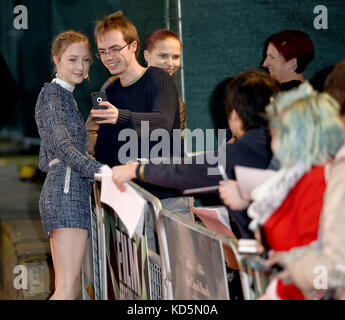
231	196
123	174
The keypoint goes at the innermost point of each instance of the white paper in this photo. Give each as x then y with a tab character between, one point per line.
128	205
140	226
247	246
213	215
223	216
249	178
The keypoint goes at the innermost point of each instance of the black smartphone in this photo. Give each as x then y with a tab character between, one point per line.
97	97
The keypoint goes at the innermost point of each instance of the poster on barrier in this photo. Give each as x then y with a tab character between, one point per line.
88	268
127	263
117	267
216	219
90	274
196	263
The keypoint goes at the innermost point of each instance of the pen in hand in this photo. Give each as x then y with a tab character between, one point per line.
223	173
211	188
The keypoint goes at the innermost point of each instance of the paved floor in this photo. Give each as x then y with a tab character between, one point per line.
22	239
18	199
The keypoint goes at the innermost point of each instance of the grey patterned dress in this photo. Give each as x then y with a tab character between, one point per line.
64	201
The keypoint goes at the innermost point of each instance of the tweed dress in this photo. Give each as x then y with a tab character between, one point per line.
64	200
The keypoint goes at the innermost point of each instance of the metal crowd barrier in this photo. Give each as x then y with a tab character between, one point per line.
115	266
94	280
192	266
253	278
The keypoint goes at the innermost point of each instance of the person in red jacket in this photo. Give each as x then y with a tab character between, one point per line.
306	134
327	253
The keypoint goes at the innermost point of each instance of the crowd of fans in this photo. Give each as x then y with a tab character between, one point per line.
278	118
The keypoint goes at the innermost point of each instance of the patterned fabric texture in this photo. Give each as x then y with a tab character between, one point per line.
64	201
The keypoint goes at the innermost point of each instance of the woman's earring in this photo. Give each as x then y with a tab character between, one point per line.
86	76
58	74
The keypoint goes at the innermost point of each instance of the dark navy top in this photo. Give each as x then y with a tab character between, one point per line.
150	103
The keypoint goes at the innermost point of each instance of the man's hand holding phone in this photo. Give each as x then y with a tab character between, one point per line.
102	110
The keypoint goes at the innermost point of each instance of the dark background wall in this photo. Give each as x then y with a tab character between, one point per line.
220	39
224	37
27	52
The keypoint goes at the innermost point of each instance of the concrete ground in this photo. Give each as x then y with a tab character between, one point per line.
22	241
18	198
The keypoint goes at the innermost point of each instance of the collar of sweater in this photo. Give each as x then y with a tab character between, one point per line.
134	80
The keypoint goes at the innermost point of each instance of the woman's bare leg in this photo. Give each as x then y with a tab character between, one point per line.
68	248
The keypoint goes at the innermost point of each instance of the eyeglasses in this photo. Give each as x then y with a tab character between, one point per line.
111	51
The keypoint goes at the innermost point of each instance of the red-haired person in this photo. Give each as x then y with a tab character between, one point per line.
287	55
163	50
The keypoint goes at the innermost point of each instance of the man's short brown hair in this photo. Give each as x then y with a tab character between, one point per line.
117	21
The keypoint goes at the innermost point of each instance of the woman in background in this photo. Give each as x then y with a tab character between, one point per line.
163	50
64	202
287	55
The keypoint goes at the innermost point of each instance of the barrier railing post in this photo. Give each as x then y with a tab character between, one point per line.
96	265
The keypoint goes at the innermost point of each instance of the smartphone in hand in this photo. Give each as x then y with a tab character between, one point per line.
97	97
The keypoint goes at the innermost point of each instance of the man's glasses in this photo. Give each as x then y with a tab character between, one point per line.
111	51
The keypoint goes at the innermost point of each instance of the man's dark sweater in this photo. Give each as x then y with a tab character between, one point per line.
251	150
152	98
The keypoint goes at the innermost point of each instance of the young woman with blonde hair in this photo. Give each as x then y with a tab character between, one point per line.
64	202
